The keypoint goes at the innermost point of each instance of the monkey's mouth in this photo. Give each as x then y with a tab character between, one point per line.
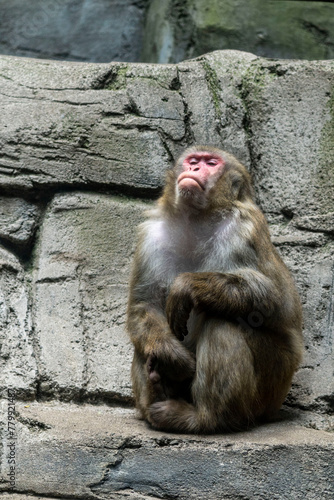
188	180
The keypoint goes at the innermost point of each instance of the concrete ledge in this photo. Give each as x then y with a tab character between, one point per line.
96	452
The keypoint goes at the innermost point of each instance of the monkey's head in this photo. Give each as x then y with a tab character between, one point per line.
207	178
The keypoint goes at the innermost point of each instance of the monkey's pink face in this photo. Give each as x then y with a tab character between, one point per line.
200	172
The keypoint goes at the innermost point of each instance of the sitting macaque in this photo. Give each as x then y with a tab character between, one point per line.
213	312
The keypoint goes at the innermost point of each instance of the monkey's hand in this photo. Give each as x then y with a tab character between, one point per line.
180	301
172	360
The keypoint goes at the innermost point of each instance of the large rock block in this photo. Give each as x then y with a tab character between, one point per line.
80	294
87	124
18	221
18	368
291	128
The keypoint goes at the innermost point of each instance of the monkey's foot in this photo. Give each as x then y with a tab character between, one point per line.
173	415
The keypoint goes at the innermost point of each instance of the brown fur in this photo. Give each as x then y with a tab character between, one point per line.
213	312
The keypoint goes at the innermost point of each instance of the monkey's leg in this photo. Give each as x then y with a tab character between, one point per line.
146	384
276	361
224	391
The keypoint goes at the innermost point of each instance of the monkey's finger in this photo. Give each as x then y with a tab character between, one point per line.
179	327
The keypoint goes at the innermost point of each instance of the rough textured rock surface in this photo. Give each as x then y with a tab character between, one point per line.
18	221
17	361
80	291
84	151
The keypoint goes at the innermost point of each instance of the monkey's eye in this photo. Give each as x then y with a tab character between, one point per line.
212	163
193	161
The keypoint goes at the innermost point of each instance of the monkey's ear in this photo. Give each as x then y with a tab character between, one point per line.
240	186
236	184
168	198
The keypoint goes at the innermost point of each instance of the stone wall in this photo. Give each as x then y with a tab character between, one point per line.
83	150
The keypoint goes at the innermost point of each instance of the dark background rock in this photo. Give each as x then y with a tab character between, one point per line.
165	31
76	30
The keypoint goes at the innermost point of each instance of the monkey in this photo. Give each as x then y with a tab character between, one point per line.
213	312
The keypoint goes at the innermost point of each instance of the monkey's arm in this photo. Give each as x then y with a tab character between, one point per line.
147	325
155	343
232	295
